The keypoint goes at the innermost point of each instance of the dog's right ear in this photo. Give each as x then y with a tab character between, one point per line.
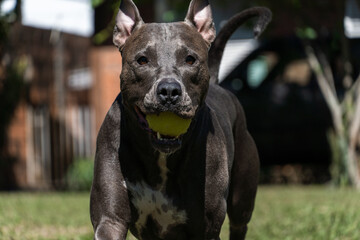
127	19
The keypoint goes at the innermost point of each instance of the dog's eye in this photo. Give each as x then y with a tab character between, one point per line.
190	60
142	60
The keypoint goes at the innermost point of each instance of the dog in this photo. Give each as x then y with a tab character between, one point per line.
165	187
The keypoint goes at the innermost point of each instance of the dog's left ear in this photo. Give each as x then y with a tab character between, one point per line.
199	15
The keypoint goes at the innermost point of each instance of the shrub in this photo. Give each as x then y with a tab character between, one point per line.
80	174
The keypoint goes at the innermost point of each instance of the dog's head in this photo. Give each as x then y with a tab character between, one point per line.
164	65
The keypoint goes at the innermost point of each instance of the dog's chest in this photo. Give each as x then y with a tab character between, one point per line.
153	203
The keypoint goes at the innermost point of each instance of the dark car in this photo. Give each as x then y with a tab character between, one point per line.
285	110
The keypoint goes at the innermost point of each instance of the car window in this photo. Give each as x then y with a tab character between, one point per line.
259	68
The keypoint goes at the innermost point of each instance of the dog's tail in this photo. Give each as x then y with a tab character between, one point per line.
217	48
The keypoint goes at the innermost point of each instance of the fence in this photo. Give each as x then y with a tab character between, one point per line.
53	145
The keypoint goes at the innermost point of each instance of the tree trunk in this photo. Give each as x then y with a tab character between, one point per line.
346	121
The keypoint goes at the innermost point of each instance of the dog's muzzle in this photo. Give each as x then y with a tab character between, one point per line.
167	95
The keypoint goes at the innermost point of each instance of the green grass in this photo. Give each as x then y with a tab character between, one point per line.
44	216
294	213
285	213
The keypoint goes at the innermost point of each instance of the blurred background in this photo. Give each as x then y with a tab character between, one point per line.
59	74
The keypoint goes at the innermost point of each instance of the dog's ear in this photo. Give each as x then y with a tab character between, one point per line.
127	19
199	15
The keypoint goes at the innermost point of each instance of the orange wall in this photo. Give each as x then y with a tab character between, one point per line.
106	67
17	144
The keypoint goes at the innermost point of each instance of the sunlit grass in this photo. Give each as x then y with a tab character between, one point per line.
289	213
44	216
306	213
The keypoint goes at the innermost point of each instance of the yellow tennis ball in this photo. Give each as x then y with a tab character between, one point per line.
168	123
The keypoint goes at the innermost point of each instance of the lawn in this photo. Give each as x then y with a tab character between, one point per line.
285	213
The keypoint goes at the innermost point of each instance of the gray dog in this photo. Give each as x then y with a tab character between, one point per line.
166	187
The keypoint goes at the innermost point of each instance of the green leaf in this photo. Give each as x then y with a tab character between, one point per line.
96	3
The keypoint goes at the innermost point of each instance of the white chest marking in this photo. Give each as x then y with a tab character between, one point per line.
154	203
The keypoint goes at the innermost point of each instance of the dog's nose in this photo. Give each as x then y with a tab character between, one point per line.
169	91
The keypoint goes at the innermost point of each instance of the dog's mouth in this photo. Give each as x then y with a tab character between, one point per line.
162	142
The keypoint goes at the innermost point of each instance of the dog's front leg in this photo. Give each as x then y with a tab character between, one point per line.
109	203
110	230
